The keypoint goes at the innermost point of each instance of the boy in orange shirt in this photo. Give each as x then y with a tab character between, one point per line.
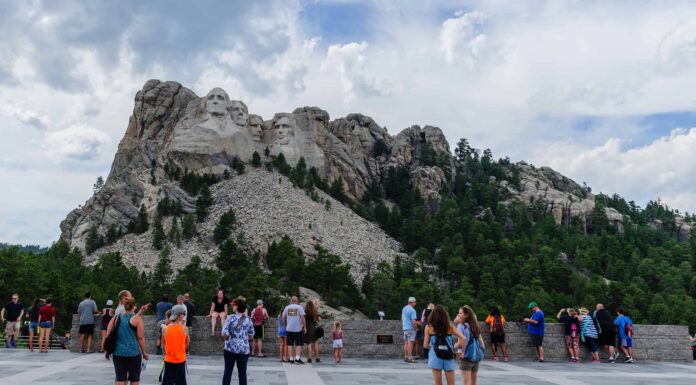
496	323
175	339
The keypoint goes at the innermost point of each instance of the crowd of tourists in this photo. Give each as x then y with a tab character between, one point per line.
459	343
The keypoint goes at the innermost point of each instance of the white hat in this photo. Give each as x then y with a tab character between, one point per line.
259	302
411	299
109	303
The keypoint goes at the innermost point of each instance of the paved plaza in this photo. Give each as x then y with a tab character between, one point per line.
19	367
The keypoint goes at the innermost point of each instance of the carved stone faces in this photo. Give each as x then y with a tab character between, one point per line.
239	112
284	130
216	102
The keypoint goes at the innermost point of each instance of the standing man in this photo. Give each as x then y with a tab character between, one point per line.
607	333
12	314
86	310
535	328
625	326
296	326
258	317
162	306
190	311
409	325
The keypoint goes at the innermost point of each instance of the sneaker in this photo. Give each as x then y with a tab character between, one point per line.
616	355
574	360
596	361
309	360
409	361
629	360
299	361
612	361
505	359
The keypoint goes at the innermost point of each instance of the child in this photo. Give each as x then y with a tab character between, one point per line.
625	326
337	336
283	340
162	324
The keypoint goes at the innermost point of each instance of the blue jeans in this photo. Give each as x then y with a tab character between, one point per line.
230	360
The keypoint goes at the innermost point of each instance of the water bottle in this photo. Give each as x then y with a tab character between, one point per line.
143	365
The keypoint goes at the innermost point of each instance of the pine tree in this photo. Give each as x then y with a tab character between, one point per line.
162	274
98	185
256	159
158	236
188	226
174	233
113	233
140	225
204	200
224	227
94	240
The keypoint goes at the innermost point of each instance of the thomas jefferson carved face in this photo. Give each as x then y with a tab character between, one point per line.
284	129
239	111
255	128
216	102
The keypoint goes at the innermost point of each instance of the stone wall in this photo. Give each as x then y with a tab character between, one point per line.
652	342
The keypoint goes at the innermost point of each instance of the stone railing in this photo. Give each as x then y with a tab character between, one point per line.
373	338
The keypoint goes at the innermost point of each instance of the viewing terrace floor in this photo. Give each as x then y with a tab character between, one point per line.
19	367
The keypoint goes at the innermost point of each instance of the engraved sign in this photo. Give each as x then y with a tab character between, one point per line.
385	339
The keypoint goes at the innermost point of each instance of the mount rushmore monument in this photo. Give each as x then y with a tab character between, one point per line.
171	127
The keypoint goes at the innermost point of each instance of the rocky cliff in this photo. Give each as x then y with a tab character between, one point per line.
171	128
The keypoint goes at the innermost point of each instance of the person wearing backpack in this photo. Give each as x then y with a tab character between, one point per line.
625	326
438	339
258	317
469	349
496	323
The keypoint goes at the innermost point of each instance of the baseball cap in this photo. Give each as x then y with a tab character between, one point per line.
176	311
109	303
411	299
259	302
532	304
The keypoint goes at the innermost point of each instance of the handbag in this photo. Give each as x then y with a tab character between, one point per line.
473	352
110	341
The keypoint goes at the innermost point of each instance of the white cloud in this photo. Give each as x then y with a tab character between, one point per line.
661	169
75	143
349	61
461	38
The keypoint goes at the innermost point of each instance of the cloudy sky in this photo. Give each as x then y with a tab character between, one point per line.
602	91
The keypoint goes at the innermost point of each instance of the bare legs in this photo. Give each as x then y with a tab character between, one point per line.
284	348
213	320
31	340
437	376
44	337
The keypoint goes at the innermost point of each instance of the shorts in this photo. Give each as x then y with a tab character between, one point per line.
337	344
497	338
591	344
419	335
572	342
607	338
11	328
258	332
468	366
174	373
33	326
86	329
104	328
127	368
627	342
537	340
282	333
46	324
437	363
409	335
295	338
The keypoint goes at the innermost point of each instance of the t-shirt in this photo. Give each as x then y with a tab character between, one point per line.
408	314
568	322
537	329
34	315
13	310
86	310
293	317
47	313
606	323
491	319
588	327
465	330
190	312
162	308
219	306
620	323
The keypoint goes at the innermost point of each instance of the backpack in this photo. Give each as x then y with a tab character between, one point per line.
257	316
443	348
473	351
497	326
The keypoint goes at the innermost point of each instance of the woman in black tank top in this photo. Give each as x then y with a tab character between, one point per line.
218	308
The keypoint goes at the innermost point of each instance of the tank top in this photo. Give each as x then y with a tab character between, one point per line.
126	341
106	318
175	344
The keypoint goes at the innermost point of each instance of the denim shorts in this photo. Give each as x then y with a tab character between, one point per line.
627	342
33	326
434	362
409	335
46	324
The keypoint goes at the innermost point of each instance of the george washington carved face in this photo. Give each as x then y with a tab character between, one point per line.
216	102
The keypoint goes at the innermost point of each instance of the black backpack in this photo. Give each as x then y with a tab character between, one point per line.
443	348
110	341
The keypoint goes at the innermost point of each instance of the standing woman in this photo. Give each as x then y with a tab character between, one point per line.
237	330
312	315
130	344
104	325
589	333
423	323
571	329
496	323
218	308
470	329
33	313
439	333
47	319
